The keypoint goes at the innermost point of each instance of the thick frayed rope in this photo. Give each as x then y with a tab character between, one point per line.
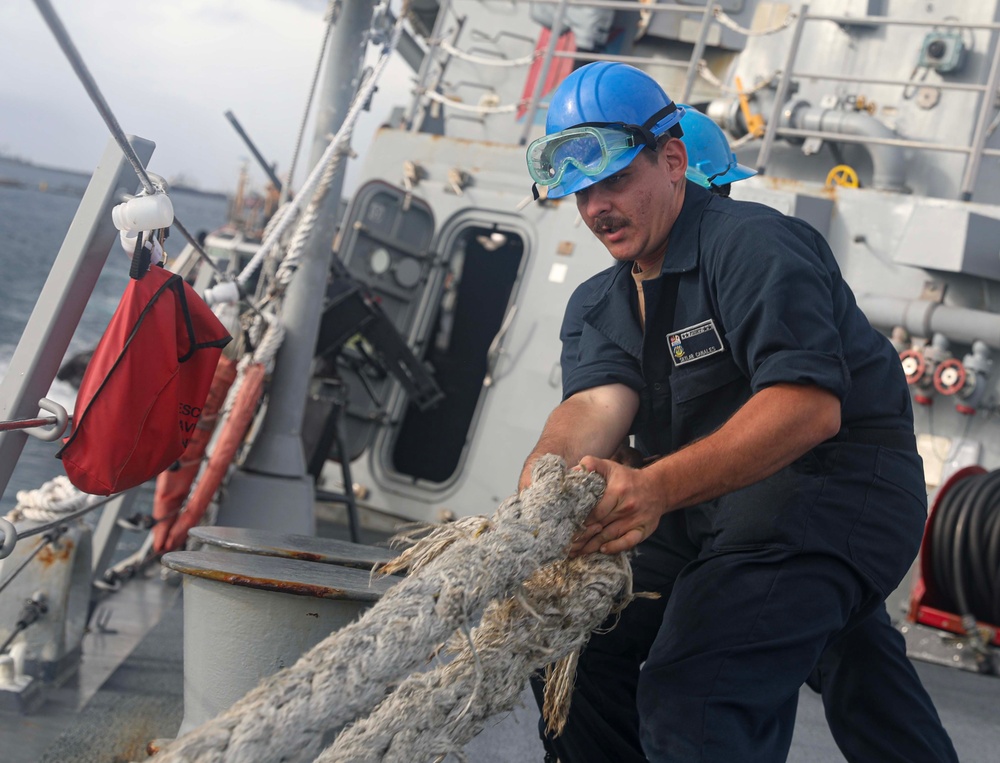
344	676
435	713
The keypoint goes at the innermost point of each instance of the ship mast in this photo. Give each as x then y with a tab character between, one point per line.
272	489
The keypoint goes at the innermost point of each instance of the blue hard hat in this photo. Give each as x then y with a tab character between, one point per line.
711	161
608	94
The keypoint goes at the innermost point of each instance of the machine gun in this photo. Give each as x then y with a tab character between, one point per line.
352	310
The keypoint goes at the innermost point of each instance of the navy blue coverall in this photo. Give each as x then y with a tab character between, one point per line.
778	582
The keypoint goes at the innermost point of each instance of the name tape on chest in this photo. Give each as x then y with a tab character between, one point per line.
694	342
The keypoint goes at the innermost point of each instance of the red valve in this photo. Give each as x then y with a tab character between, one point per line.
914	365
949	377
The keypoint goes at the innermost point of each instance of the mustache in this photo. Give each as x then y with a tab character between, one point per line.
605	223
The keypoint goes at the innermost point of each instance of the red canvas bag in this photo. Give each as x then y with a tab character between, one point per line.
145	386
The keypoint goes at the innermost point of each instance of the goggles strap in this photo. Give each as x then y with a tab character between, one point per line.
646	129
643	131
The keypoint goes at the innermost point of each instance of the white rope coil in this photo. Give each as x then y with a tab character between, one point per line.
51	501
454	573
436	713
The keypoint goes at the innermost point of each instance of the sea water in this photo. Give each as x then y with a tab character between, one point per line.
37	205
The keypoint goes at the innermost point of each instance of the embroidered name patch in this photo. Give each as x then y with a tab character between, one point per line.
694	342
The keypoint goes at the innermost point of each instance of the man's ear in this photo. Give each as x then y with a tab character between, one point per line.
673	156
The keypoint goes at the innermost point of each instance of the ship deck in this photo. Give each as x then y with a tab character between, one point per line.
129	691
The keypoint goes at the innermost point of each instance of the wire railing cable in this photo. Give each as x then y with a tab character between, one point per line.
49	537
14	424
90	85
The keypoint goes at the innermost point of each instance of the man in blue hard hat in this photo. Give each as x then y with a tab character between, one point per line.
790	500
711	162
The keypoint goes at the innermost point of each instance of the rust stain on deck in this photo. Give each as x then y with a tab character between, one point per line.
52	554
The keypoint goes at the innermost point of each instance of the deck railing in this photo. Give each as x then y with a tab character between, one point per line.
974	150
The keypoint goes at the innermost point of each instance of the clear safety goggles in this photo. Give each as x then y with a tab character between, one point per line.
588	148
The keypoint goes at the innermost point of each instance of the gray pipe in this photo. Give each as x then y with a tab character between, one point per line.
888	161
922	318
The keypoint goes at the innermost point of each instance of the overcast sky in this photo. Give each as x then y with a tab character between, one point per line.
169	69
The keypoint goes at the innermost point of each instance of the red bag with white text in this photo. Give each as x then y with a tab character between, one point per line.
144	387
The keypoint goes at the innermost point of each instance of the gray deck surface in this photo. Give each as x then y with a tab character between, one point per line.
142	700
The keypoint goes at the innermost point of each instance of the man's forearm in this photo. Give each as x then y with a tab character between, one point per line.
773	429
776	426
593	422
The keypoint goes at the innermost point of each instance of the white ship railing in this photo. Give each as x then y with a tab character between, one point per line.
534	103
551	53
974	150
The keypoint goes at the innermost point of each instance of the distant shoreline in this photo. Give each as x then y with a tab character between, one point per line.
6	182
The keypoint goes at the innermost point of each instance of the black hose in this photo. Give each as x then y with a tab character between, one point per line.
981	515
964	538
965	548
993	557
942	533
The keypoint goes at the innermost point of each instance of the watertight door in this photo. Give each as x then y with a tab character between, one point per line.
483	253
385	251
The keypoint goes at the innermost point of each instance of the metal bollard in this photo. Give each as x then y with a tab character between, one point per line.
306	547
247	616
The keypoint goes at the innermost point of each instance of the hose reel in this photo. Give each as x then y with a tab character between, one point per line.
960	556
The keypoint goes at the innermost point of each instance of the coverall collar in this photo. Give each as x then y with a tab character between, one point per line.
682	246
